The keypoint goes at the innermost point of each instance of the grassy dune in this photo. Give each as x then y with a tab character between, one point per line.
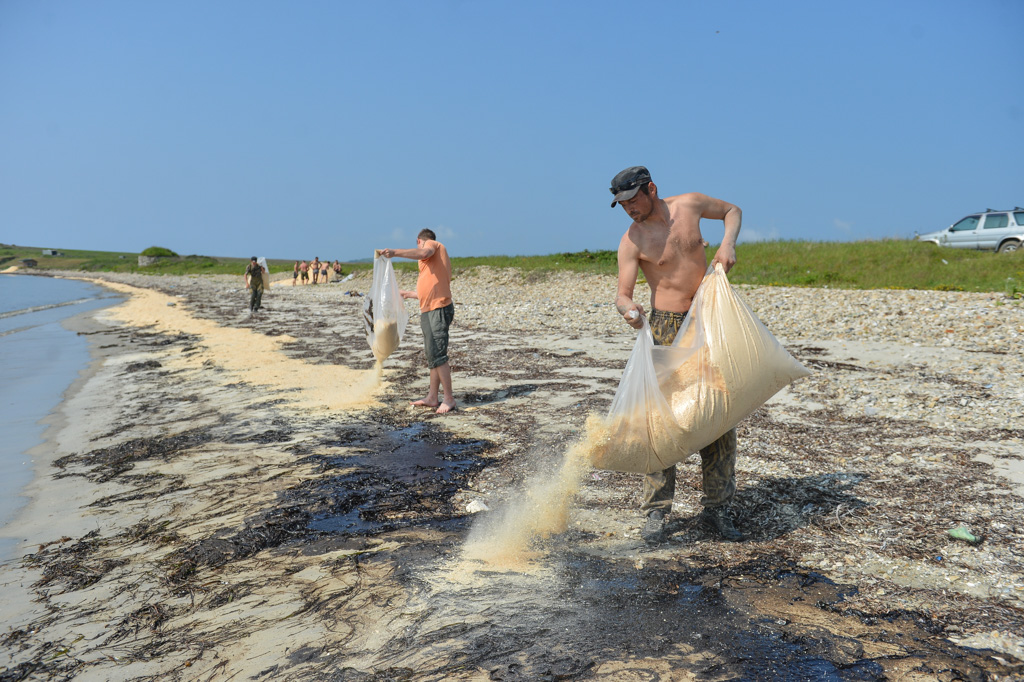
886	264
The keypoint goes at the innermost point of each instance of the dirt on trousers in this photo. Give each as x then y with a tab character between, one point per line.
233	535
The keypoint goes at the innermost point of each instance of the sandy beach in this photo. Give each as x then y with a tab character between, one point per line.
226	497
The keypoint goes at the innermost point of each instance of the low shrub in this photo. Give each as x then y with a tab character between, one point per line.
158	251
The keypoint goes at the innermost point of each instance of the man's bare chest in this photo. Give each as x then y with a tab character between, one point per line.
677	241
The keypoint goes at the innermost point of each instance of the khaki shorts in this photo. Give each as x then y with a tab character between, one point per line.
434	324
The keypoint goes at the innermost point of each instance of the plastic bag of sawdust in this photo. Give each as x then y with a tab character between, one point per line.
723	365
384	314
639	433
262	262
737	368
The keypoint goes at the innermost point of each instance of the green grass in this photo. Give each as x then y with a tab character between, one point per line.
123	261
885	264
600	262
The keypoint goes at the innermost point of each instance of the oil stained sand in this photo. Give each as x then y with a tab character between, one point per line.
503	540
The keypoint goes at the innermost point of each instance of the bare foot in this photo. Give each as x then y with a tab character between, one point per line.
423	402
445	408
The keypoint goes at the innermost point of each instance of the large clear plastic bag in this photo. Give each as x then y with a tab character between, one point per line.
639	433
722	365
384	313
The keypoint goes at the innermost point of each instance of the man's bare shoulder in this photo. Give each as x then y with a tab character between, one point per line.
630	238
687	199
691	206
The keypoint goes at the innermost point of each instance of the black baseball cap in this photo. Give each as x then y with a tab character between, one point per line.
627	183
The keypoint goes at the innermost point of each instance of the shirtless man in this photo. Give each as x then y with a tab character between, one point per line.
304	272
434	291
665	242
315	267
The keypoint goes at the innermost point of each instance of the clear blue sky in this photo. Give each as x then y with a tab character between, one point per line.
301	129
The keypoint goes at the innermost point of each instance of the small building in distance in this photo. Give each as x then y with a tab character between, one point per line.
52	252
29	262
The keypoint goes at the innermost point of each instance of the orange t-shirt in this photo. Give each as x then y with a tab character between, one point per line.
434	285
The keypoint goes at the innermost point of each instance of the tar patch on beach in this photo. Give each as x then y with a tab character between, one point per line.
268	530
390	478
108	463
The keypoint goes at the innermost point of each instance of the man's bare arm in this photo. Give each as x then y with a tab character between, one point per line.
412	254
732	217
629	266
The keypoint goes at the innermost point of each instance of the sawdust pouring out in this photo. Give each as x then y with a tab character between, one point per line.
506	540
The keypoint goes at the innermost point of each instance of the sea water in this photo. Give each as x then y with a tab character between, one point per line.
39	360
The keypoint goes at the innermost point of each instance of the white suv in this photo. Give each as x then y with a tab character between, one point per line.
1000	231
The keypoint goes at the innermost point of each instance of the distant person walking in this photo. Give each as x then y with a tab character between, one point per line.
304	272
295	273
434	291
664	241
254	283
315	267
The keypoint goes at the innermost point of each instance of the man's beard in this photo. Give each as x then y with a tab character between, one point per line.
640	217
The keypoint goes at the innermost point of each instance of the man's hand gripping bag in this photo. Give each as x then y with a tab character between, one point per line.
384	314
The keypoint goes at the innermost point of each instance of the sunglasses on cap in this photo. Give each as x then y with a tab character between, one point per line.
628	186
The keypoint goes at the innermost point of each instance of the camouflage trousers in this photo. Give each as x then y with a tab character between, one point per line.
255	296
717	461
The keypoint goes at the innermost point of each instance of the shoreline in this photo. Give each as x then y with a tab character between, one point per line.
46	498
57	420
227	474
55	383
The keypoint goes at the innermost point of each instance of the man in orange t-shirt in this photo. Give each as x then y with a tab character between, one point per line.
434	291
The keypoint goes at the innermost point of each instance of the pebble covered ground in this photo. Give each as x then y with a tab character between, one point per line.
917	393
988	326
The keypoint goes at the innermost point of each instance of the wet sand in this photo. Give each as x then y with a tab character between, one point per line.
226	497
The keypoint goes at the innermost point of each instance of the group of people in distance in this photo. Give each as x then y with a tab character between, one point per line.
315	271
256	275
664	242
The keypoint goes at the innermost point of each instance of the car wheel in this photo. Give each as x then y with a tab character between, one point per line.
1009	245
